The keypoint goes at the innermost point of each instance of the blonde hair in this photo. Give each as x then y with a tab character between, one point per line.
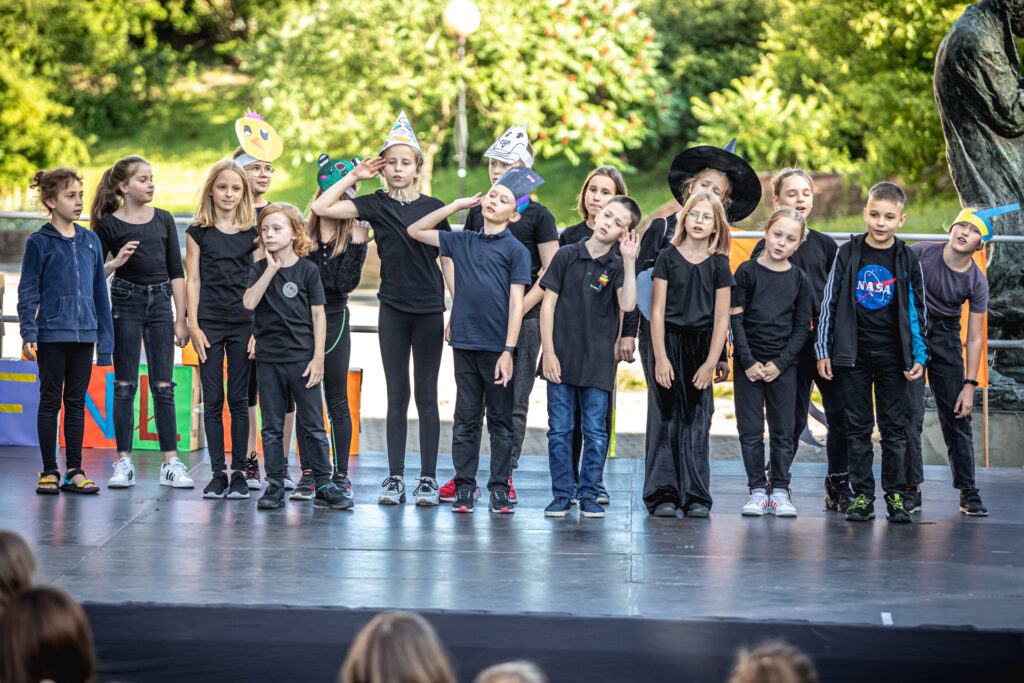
206	213
396	647
339	243
686	187
109	197
519	671
773	662
721	240
607	172
17	565
790	213
303	244
785	174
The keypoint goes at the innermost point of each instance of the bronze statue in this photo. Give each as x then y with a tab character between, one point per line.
981	104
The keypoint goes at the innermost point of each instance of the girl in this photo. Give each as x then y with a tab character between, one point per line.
338	251
289	328
397	647
411	317
65	317
17	566
219	248
689	325
45	636
771	320
147	274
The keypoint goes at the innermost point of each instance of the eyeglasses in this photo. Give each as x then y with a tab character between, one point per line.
701	217
263	170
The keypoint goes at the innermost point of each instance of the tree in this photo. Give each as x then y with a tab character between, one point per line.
582	72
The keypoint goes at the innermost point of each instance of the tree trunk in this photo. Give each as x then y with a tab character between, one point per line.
427	172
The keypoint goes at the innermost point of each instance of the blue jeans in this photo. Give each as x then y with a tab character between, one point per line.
593	406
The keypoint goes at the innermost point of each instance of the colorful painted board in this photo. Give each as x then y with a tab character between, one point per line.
19	402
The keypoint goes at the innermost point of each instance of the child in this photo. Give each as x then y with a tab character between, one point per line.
536	230
290	328
586	286
147	275
411	314
492	270
397	647
794	188
771	662
65	317
17	566
870	332
219	249
689	325
258	146
511	672
952	279
338	250
771	320
45	636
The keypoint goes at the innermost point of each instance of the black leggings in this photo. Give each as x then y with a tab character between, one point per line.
422	334
64	372
231	341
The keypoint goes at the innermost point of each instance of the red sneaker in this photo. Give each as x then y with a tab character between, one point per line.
448	491
512	492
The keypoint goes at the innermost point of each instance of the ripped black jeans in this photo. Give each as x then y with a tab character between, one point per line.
142	313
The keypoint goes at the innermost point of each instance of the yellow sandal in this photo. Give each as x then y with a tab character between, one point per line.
85	486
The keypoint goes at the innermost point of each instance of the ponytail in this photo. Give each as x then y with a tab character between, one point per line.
108	197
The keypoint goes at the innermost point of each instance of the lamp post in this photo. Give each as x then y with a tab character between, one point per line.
461	18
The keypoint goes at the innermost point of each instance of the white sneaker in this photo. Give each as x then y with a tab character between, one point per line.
757	504
781	505
427	493
124	474
392	491
175	475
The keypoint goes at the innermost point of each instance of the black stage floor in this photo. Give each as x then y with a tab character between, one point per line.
152	544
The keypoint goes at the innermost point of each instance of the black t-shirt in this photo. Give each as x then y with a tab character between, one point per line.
410	279
224	261
283	320
157	258
586	314
815	257
535	226
339	275
690	300
575	233
877	312
776	307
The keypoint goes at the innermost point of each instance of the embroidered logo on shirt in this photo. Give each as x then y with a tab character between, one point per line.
875	287
602	281
290	290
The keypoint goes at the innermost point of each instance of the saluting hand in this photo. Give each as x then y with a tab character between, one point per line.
629	245
368	168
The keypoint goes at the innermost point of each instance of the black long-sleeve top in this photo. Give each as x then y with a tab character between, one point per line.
776	317
339	275
157	258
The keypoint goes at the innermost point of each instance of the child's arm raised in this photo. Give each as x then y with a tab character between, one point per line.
975	346
628	247
706	373
551	368
192	286
254	294
663	373
315	369
423	229
330	203
503	368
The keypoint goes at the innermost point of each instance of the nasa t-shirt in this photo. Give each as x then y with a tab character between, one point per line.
877	309
283	319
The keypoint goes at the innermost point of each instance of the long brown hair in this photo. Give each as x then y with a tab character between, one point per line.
17	565
109	197
303	244
206	213
46	637
721	240
339	243
397	647
686	187
49	184
608	172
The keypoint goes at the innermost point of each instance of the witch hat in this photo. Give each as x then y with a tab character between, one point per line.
746	192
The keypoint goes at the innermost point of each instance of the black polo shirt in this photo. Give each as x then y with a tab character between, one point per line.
586	314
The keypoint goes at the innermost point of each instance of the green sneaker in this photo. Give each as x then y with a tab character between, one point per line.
895	512
861	509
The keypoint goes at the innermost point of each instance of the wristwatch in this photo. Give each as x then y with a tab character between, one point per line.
510	349
972	382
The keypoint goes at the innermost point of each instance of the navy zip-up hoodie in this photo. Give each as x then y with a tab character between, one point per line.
62	295
837	324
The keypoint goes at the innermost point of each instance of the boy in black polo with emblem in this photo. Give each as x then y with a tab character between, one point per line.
492	271
585	287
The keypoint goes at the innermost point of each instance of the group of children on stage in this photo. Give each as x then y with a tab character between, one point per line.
862	320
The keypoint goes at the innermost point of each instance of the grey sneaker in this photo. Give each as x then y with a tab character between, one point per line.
304	489
392	491
427	492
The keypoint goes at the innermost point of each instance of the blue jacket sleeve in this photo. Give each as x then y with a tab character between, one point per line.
28	291
918	311
104	323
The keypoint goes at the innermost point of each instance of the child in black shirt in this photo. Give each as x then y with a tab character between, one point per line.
771	320
289	328
870	333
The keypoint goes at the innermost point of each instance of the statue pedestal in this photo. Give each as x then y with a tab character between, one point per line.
1005	436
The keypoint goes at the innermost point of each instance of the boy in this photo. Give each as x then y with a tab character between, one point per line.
585	287
492	270
870	329
537	231
953	278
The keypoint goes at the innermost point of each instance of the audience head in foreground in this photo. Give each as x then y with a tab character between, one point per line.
773	662
512	672
17	565
44	636
397	647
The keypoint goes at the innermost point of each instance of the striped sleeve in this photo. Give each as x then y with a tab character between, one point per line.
823	344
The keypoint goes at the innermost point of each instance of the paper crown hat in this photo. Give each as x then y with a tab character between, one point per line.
512	146
982	219
521	181
402	134
329	172
746	187
259	140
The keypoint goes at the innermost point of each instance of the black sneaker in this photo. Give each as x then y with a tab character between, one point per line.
838	496
971	505
895	509
342	482
500	503
272	498
666	509
252	472
697	510
861	509
239	487
331	496
304	489
463	501
602	494
912	499
218	486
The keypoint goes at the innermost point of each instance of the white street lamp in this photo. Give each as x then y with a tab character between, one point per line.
461	18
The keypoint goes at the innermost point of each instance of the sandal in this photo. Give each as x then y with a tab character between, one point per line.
86	486
49	483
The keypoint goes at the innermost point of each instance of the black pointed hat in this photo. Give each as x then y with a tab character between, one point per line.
746	187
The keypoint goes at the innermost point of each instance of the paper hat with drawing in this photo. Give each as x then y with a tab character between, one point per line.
259	140
521	181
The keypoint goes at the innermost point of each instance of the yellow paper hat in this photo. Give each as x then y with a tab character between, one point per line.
982	219
258	139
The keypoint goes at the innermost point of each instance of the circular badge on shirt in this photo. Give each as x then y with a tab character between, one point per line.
875	287
290	290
